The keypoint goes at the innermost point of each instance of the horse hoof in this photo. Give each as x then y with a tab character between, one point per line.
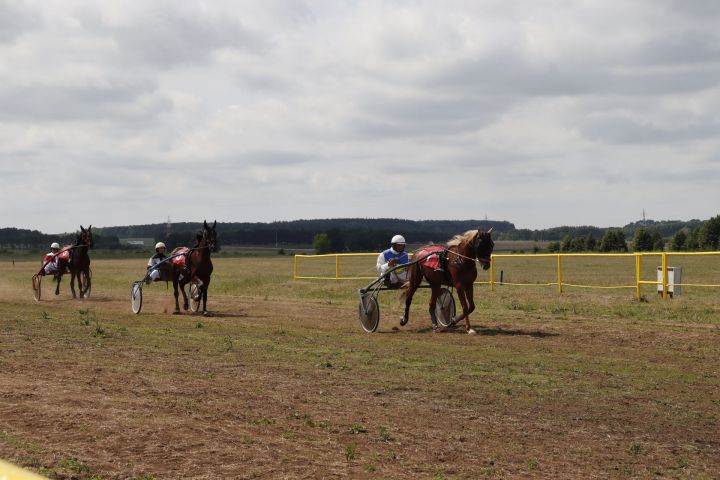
176	312
472	332
207	314
186	306
403	321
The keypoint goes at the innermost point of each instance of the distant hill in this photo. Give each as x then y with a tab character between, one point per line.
353	234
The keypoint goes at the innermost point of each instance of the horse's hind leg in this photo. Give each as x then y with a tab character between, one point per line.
435	293
57	288
175	292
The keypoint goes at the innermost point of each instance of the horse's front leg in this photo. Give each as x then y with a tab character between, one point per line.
204	299
186	304
57	288
468	306
72	283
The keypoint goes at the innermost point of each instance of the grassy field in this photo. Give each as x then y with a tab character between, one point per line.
281	382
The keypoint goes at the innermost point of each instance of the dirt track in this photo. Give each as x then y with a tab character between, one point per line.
287	389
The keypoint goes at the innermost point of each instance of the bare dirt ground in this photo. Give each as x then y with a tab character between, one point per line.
283	388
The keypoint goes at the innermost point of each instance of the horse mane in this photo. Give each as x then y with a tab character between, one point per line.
462	238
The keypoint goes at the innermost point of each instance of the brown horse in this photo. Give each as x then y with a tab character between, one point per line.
460	272
78	265
198	267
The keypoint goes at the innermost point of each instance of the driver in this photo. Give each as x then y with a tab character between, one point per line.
159	256
50	260
393	256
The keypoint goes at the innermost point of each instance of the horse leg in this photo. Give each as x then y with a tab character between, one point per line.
72	283
86	286
204	296
186	303
434	294
57	288
463	304
414	279
175	292
468	305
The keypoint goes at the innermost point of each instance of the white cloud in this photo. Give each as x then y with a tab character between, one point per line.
540	114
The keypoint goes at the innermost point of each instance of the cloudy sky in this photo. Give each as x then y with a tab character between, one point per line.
550	113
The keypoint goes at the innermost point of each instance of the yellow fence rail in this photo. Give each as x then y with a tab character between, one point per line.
559	281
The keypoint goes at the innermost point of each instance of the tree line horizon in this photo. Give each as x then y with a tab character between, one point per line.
362	234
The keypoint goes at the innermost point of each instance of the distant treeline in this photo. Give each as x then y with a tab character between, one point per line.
32	239
368	234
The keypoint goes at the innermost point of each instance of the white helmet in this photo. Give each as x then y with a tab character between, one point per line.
397	239
55	245
159	245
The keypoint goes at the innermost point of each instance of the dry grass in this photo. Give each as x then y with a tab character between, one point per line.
282	383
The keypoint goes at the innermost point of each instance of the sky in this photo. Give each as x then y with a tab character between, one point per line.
543	114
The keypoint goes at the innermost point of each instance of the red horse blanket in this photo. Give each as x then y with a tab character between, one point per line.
433	260
64	254
181	253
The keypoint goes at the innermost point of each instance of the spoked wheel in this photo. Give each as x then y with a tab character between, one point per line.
369	312
87	282
194	297
36	284
445	308
136	297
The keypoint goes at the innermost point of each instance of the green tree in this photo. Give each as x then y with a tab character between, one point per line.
643	240
566	244
321	243
657	240
613	241
692	241
590	243
709	234
577	244
553	247
679	241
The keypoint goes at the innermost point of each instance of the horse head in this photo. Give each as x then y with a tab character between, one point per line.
208	236
483	245
84	237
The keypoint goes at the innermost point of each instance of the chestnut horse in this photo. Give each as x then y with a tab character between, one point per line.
78	265
460	272
198	268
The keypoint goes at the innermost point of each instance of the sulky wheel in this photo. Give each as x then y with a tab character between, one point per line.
369	313
36	284
136	297
445	308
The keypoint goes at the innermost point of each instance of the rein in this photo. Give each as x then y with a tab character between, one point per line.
463	256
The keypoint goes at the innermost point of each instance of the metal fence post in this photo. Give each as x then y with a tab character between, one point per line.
295	267
337	266
664	276
559	272
638	268
492	273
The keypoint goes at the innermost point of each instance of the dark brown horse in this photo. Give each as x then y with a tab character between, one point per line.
198	267
78	265
460	272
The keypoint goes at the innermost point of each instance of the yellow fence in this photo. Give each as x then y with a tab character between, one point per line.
361	266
